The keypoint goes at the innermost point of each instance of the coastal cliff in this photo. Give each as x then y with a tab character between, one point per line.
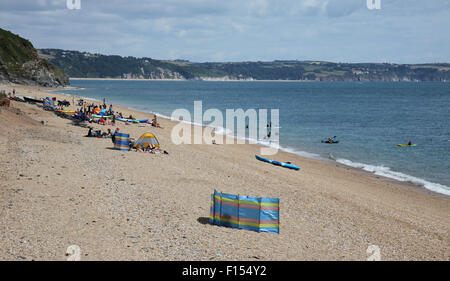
21	64
88	65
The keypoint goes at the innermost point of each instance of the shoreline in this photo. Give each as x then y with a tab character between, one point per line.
151	207
184	80
288	150
235	80
133	111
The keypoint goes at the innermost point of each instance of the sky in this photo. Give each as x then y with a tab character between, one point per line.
402	31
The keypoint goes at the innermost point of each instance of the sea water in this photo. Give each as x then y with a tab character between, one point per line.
369	119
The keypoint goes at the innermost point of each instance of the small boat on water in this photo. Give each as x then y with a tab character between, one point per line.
327	141
402	145
330	140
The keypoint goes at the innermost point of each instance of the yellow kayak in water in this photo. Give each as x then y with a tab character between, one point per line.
406	144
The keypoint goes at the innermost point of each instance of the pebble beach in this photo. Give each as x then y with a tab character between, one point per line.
59	188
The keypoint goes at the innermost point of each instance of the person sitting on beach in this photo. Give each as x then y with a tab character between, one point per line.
152	149
155	122
130	117
148	149
107	134
102	121
90	132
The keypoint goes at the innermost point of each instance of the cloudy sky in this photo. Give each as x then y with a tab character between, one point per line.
402	31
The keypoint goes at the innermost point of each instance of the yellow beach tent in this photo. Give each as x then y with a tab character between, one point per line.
146	140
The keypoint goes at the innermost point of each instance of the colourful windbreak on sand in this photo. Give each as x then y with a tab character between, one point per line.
48	102
252	213
122	142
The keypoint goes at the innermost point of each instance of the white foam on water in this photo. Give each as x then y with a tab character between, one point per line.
387	172
302	153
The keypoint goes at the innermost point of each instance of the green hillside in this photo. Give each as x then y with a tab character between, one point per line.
20	63
87	65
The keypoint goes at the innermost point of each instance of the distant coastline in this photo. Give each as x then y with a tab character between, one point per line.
235	80
83	64
180	80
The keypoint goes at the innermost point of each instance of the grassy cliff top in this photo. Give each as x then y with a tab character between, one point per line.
15	49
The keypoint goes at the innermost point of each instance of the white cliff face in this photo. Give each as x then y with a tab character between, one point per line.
159	73
225	78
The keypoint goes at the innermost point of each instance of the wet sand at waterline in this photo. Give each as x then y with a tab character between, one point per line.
58	188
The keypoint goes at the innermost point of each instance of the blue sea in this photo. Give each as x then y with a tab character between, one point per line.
369	119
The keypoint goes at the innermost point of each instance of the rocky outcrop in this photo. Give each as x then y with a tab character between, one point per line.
21	64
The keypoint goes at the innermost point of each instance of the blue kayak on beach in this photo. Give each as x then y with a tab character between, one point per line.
282	164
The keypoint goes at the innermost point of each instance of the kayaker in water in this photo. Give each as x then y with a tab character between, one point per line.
410	142
330	140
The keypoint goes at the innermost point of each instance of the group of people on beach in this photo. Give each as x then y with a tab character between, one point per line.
103	112
99	133
92	108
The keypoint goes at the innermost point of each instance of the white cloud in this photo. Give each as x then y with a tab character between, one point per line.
203	30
